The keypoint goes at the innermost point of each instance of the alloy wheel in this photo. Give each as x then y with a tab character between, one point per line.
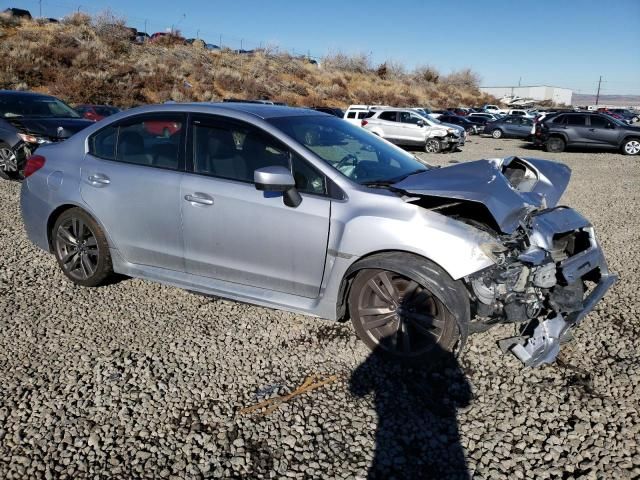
77	248
632	147
432	146
8	160
400	315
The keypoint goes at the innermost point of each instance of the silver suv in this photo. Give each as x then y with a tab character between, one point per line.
299	210
408	127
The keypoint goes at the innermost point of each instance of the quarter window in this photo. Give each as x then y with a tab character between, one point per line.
103	143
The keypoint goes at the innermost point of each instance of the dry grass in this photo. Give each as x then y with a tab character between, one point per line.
92	60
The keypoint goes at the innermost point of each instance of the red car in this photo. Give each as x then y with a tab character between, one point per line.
96	112
162	129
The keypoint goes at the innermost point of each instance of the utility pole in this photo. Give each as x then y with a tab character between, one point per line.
40	5
598	94
145	25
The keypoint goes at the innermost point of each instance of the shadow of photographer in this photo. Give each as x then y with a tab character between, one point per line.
417	433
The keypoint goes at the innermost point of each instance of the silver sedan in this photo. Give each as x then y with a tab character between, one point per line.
294	209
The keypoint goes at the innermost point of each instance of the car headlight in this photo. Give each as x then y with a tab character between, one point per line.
33	139
451	130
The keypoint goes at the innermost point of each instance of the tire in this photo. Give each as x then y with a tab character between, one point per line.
8	163
470	131
631	146
81	248
406	308
432	145
555	145
497	133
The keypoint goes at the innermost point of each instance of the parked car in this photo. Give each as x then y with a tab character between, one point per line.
96	112
335	111
142	37
488	116
512	126
469	126
18	13
356	113
29	120
254	220
458	111
626	113
260	101
407	127
520	113
595	130
493	109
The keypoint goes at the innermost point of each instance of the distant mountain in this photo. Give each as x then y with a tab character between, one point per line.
621	100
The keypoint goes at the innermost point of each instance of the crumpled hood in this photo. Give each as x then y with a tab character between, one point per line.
529	184
50	127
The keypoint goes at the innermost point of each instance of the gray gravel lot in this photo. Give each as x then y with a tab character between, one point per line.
142	380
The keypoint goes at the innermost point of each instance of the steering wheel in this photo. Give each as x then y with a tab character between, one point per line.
345	160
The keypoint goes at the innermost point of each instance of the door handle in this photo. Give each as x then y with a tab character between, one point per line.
199	198
98	179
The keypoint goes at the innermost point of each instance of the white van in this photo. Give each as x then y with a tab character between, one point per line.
356	113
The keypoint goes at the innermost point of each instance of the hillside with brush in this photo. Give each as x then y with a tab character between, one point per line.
93	60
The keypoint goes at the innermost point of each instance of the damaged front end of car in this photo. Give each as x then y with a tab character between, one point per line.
549	270
548	275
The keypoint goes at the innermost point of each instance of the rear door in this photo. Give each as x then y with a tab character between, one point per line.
412	132
388	121
602	131
235	233
577	129
131	182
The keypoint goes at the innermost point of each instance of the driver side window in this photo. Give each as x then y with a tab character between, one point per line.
406	117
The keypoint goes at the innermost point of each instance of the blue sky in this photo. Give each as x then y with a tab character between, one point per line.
556	42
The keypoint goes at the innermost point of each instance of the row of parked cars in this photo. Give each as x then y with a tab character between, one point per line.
29	120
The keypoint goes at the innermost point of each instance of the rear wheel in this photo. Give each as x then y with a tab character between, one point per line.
400	311
81	248
432	145
497	133
555	145
631	146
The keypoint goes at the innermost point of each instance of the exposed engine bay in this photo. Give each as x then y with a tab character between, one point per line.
549	270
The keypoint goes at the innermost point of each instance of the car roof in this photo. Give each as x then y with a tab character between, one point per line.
259	110
21	93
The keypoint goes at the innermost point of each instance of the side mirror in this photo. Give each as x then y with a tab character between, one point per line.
278	179
420	123
610	125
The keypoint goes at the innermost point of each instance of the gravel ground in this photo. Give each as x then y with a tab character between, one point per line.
141	380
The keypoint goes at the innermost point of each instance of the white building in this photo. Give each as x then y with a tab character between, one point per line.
535	92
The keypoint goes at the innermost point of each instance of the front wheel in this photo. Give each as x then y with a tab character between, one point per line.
396	311
497	133
81	248
432	145
631	147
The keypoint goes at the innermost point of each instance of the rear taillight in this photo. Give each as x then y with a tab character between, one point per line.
363	123
34	163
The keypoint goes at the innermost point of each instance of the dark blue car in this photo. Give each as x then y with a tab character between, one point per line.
511	126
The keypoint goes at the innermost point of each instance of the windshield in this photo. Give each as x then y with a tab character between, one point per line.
12	106
354	152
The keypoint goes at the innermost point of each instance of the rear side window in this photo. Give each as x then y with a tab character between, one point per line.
577	120
362	115
351	114
153	141
388	116
559	119
103	143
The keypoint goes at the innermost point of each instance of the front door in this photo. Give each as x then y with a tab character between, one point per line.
131	182
602	131
236	233
412	131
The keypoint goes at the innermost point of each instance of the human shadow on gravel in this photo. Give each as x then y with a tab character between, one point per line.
417	433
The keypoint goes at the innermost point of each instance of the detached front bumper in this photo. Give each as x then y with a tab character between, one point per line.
568	304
